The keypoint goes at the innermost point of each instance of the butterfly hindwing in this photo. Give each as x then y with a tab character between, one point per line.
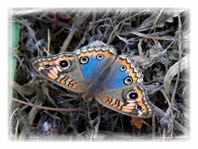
62	69
125	78
130	100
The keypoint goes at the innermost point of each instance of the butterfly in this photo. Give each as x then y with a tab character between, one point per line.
97	71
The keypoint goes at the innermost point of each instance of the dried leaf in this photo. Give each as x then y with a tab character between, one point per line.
174	71
158	19
137	122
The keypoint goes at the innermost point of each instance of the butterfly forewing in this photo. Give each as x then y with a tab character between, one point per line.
93	59
62	69
123	72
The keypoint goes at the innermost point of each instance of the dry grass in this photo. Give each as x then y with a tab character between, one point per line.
155	38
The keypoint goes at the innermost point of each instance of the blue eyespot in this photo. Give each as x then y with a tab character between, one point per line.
123	68
99	56
64	63
128	80
132	95
84	60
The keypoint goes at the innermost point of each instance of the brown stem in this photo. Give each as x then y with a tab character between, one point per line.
45	108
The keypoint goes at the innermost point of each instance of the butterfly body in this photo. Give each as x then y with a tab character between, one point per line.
97	71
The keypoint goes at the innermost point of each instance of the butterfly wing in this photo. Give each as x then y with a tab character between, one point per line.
130	100
123	90
93	59
123	72
75	71
62	69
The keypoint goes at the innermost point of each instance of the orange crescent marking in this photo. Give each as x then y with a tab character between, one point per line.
63	81
71	83
109	100
116	104
123	61
107	53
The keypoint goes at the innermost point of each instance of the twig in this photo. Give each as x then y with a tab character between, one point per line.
158	56
162	114
140	47
165	96
117	26
49	41
169	110
21	90
46	108
46	92
153	126
157	18
178	75
79	20
150	36
67	40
